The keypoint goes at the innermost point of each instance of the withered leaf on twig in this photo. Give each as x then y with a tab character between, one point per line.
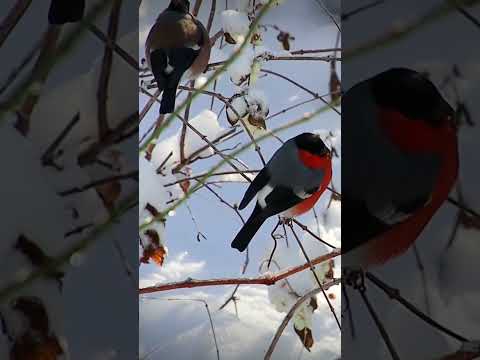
229	39
313	303
28	347
285	37
256	39
334	85
154	250
38	258
305	336
257	121
109	193
36	343
469	221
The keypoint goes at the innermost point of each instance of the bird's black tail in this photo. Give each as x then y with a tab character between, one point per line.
168	66
167	105
249	230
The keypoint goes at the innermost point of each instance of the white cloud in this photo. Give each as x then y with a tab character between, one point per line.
174	270
185	331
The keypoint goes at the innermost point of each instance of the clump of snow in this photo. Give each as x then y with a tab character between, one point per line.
206	123
236	24
251	106
257	103
241	68
240	107
303	316
200	81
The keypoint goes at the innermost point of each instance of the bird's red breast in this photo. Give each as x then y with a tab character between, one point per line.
314	162
413	135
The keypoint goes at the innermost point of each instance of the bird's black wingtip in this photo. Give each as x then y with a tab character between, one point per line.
237	246
242	205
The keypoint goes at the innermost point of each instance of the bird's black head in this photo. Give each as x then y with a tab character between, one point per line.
312	143
182	6
412	94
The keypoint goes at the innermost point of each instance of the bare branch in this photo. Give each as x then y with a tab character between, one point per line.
291	312
261	280
12	19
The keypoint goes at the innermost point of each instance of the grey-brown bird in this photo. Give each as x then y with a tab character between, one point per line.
177	44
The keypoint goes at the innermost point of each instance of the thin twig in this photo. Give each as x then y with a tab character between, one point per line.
126	265
129	59
312	269
466	13
89	155
395	294
12	19
360	9
305	228
463	207
211	145
313	51
261	280
47	157
107	180
314	94
104	80
421	269
39	75
291	312
381	328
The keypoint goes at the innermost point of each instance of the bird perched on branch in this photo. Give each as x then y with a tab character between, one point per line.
62	11
399	163
290	184
177	44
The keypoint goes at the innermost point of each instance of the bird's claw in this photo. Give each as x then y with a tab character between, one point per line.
354	278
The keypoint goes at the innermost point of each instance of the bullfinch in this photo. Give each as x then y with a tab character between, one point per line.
177	44
290	184
399	163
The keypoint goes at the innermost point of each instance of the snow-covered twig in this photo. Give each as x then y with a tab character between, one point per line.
261	280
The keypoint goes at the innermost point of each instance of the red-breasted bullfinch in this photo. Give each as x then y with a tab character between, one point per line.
399	163
290	184
177	44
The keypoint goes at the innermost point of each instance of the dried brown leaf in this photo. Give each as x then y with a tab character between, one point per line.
154	250
36	343
229	39
257	121
284	38
37	257
305	336
334	85
109	193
